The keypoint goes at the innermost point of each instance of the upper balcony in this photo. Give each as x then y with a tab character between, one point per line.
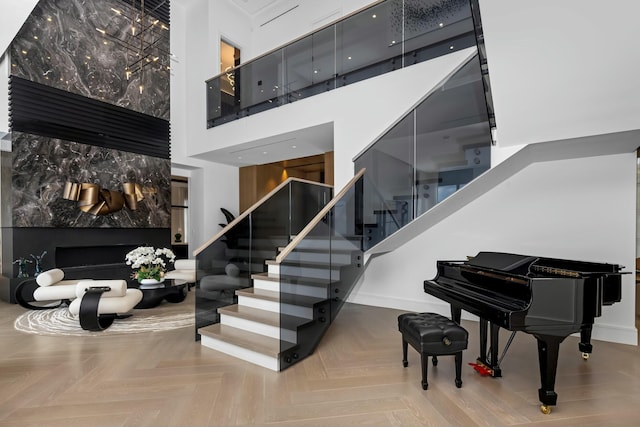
387	36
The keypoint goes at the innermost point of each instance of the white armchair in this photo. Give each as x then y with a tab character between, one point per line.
184	269
47	290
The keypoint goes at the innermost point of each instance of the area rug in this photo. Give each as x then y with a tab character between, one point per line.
58	321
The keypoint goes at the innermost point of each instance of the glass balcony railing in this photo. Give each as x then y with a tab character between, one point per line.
432	152
385	37
318	270
227	262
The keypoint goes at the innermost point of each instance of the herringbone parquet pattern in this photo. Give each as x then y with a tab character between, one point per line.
355	377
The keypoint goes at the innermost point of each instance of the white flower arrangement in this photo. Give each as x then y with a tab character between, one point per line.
149	262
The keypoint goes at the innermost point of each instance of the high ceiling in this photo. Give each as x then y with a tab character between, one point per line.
255	6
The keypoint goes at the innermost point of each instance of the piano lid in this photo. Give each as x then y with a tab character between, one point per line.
527	265
501	261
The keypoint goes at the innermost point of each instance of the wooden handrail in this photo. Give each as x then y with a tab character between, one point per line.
292	245
253	207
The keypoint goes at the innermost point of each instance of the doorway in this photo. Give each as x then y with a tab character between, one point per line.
229	59
180	216
258	180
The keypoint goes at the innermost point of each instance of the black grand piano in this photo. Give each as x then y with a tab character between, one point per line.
547	297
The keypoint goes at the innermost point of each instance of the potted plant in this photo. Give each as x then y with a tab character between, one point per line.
149	264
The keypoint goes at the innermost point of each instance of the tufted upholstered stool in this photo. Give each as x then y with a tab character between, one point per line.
432	335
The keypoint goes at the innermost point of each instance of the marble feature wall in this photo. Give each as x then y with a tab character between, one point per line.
41	167
60	45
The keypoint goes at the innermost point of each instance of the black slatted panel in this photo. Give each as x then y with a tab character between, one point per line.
47	111
157	8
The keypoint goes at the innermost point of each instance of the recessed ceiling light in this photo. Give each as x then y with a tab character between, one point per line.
374	16
294	146
441	24
451	47
264	152
348	57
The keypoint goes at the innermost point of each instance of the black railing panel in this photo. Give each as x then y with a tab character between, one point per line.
385	37
317	271
227	262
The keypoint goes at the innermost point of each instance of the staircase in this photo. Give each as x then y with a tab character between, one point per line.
281	317
273	321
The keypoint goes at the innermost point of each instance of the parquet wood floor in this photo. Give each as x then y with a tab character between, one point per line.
355	377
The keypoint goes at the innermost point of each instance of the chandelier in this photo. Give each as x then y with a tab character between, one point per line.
143	38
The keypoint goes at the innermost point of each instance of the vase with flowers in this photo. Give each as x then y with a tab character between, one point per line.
149	263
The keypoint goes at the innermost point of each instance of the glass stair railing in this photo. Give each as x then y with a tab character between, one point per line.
275	316
429	154
384	37
316	272
228	260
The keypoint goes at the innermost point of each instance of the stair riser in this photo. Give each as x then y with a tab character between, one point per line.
311	272
324	245
258	328
241	353
342	258
245	253
262	243
293	310
311	291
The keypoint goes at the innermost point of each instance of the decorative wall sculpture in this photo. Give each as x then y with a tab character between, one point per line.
42	167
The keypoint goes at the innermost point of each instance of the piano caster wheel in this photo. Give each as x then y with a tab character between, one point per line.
545	409
585	356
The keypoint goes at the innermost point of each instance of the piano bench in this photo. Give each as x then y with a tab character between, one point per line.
432	335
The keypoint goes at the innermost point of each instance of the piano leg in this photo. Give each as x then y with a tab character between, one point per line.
494	330
492	362
483	341
456	314
585	341
548	347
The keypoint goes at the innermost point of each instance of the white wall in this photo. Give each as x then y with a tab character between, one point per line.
4	95
12	16
308	16
211	185
560	209
211	189
562	69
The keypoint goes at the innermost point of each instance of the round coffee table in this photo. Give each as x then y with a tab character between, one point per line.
171	290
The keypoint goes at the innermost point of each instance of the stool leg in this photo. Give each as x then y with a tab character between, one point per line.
458	369
434	360
404	353
424	360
